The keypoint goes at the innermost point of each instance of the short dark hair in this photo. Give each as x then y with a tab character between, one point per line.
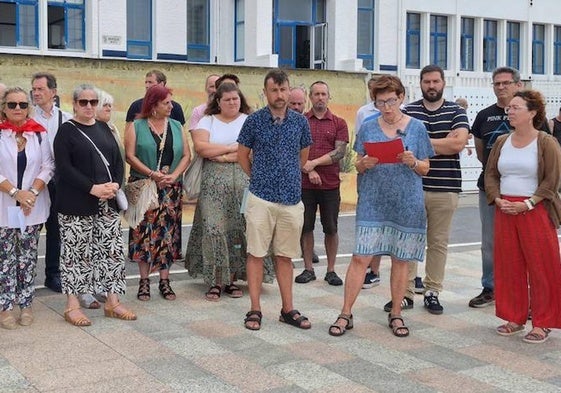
387	84
507	70
233	77
51	80
432	68
277	75
160	76
319	83
227	87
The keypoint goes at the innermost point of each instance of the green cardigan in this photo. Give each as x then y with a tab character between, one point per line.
146	146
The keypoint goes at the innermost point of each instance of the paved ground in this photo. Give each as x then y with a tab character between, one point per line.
193	345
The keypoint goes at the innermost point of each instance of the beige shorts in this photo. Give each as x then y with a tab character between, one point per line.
272	226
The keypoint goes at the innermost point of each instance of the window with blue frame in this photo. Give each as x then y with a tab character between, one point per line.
439	41
18	23
413	41
538	49
198	30
489	45
139	29
513	44
557	50
66	24
466	44
239	32
365	33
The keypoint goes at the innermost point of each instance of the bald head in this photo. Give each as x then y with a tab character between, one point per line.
297	99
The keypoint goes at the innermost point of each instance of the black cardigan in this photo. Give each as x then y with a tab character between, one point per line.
79	167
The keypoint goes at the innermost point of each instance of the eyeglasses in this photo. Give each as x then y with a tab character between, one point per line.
500	84
388	102
84	102
22	105
513	108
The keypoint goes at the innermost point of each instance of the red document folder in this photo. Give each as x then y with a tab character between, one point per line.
385	152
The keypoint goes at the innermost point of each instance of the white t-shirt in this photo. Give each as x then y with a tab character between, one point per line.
518	168
220	132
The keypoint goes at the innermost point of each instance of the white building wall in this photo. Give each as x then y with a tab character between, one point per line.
259	34
112	23
169	26
341	37
223	36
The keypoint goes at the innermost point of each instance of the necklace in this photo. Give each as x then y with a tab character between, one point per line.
393	122
163	134
20	141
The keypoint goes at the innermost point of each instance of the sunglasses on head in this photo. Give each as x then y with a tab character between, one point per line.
22	105
84	102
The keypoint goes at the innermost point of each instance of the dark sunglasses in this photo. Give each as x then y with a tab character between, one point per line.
22	105
86	102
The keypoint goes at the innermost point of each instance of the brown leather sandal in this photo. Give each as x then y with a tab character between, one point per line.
79	321
126	315
348	318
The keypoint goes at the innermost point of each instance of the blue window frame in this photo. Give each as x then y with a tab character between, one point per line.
413	41
198	31
439	41
300	33
513	44
466	44
139	29
538	49
19	23
557	50
239	31
365	33
489	45
66	23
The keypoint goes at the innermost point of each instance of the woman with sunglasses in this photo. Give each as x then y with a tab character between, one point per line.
92	257
157	148
26	166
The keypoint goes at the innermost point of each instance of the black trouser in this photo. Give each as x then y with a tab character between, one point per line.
52	252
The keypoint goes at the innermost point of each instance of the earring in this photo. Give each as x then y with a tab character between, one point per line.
154	113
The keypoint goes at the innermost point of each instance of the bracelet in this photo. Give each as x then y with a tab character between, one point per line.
528	204
414	166
34	191
150	174
12	193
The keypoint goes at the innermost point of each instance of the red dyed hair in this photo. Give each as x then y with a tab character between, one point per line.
153	96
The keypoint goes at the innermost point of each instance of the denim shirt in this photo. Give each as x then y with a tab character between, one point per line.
275	170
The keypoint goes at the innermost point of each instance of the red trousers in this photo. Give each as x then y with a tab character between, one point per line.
527	255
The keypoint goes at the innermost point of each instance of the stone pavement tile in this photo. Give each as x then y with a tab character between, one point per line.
191	346
508	380
210	384
75	373
11	379
307	375
318	352
257	351
381	335
447	339
446	359
126	384
173	370
133	345
371	375
446	381
523	365
249	378
213	328
347	387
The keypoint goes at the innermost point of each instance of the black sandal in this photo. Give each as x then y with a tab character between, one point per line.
213	294
396	329
143	290
288	317
341	329
253	316
165	289
233	291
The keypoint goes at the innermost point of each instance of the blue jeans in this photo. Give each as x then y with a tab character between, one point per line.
487	216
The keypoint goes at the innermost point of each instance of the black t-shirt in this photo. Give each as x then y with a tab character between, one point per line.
176	111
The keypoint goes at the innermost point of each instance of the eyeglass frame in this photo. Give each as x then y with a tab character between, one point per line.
503	83
22	105
389	102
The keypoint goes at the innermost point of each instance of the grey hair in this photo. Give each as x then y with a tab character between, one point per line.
83	87
507	70
104	98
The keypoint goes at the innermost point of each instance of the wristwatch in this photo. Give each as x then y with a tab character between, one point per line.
12	193
34	191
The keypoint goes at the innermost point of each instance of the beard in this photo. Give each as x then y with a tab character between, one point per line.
434	97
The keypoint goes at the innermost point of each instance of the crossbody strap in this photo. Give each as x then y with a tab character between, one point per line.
105	162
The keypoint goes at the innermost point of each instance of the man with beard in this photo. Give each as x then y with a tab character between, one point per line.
274	144
447	125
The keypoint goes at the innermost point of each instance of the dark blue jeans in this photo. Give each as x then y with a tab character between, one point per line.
52	252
